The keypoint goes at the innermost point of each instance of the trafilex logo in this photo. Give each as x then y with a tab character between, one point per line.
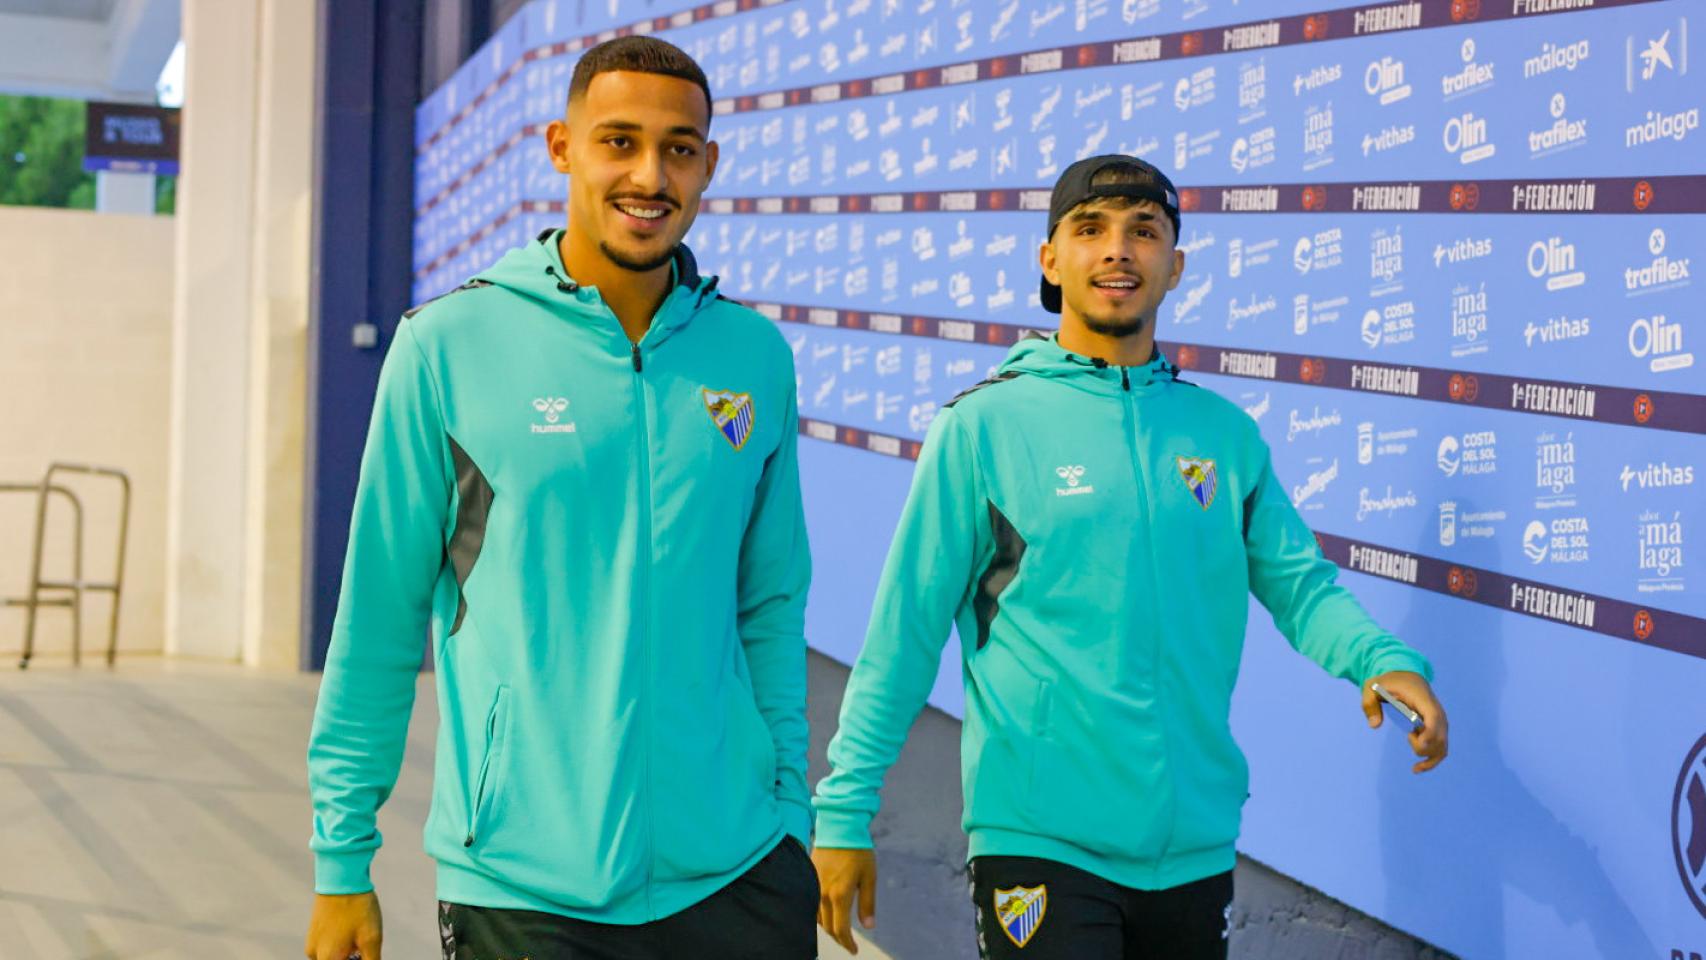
1563	134
1472	77
1662	272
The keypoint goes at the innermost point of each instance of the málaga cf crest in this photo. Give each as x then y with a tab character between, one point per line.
1199	475
1020	911
732	413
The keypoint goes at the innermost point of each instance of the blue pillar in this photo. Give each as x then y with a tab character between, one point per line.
368	86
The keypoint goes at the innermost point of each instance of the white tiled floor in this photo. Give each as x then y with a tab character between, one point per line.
161	811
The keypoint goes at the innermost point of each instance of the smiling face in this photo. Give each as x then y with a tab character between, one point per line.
1114	261
636	149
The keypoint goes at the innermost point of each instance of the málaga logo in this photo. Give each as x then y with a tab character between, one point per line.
732	413
1200	476
1020	911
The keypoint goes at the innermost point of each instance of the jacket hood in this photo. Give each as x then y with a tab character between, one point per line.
1043	356
536	271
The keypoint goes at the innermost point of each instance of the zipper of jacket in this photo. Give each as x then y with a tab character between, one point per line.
1129	401
644	447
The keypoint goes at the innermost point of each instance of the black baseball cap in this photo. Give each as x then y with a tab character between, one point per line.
1145	181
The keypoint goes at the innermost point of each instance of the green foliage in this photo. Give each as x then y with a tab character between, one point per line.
41	153
166	195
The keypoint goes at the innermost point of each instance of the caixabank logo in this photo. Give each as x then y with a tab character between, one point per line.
1688	828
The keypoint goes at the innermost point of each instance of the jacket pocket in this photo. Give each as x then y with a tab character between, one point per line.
1097	785
497	732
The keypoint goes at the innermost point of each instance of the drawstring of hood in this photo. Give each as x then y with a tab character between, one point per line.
536	271
1043	356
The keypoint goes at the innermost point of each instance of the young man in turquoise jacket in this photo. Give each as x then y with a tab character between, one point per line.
1093	525
581	480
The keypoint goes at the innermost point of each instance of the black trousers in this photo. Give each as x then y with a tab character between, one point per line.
1031	909
769	913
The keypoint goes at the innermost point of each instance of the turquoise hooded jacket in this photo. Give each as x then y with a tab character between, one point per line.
1094	533
605	542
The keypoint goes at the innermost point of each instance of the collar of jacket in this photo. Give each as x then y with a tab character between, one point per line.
1043	356
536	271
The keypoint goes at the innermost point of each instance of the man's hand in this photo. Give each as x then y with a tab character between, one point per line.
841	875
1430	742
343	927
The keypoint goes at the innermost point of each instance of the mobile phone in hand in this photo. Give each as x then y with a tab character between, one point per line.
1398	707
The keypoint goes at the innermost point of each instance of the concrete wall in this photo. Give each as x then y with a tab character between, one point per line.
85	366
233	551
923	912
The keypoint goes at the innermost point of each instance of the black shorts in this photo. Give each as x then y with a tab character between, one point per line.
769	913
1031	909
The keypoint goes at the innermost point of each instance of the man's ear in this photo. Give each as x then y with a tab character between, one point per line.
1046	259
557	144
712	152
1178	269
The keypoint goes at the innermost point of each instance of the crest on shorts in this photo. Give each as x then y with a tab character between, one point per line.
1020	912
1200	477
732	413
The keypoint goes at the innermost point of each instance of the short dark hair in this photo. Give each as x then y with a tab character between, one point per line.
637	55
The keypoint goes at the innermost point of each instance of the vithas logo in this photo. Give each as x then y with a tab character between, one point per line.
1654	475
1556	329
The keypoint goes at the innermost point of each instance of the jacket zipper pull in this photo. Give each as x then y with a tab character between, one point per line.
638	366
1125	378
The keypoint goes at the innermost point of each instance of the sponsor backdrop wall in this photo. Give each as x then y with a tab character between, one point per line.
1443	252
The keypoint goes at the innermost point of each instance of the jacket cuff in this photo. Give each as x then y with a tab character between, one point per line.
846	830
339	873
1405	659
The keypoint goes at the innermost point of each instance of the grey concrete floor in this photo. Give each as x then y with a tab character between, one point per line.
161	811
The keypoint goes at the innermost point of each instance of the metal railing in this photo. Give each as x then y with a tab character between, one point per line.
68	594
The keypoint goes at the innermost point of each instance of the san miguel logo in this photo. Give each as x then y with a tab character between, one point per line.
1314	198
1312	370
1465	196
1463	388
1316	27
1688	825
1462	10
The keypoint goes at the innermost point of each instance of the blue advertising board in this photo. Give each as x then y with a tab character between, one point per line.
1440	250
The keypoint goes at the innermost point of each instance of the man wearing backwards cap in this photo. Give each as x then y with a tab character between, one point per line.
1091	524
